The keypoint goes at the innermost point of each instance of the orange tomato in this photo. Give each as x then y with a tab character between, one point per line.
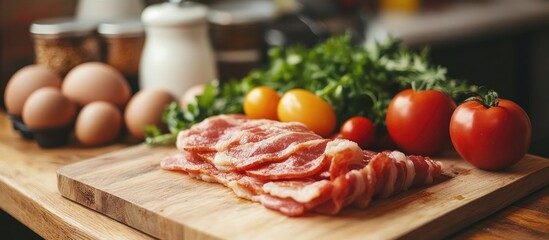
303	106
261	102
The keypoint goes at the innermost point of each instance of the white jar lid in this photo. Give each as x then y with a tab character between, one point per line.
127	27
173	14
58	26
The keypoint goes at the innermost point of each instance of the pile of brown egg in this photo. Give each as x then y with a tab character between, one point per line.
93	102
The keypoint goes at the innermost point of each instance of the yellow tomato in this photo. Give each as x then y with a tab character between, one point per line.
261	102
303	106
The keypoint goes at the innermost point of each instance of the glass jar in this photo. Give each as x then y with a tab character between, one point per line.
124	41
64	43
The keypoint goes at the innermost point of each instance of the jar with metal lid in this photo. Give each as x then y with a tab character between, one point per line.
237	30
64	43
124	41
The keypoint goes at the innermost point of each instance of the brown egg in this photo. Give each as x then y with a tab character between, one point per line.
98	123
145	108
48	108
24	82
95	81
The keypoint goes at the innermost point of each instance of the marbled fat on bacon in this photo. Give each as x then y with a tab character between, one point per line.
302	163
287	168
242	144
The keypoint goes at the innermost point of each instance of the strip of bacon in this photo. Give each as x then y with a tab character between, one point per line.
300	164
242	144
294	197
194	165
359	187
294	171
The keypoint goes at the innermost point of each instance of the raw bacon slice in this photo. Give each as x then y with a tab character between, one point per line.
288	169
196	167
274	149
300	164
343	153
243	144
201	136
356	187
295	197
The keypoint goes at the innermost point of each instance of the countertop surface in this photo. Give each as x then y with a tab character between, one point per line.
28	192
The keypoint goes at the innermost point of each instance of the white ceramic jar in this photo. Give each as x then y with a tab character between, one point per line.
177	53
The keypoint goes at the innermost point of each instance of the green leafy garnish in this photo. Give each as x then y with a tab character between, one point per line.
354	80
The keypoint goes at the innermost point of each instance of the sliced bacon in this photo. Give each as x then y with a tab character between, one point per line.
363	188
286	168
383	177
343	153
301	164
194	164
201	136
242	144
286	206
253	154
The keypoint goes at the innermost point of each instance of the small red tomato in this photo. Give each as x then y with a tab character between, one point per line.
418	121
360	130
490	136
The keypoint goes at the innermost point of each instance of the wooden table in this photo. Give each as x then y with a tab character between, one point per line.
28	192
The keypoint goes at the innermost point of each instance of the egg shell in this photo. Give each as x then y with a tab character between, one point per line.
24	82
48	108
98	123
146	108
95	81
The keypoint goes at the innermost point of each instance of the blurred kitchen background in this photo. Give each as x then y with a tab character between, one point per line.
500	43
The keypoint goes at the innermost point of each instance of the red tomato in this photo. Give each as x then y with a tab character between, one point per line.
418	121
360	130
490	138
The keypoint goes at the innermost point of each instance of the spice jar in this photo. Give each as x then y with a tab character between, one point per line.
64	43
124	41
237	29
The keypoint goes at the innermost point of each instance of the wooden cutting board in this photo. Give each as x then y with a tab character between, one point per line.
129	186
